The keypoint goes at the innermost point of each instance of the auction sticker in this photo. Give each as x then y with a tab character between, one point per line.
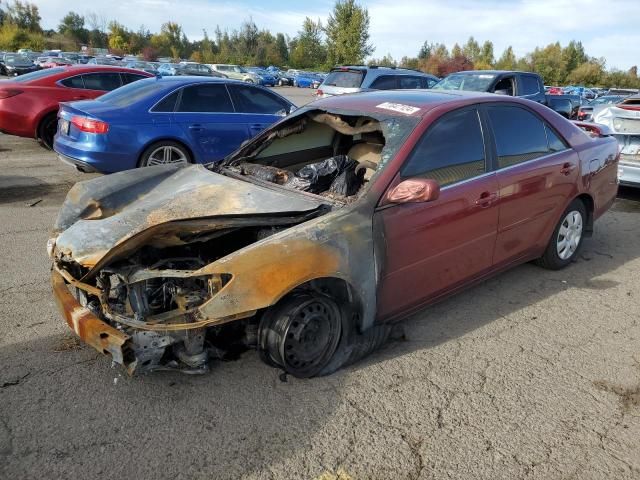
399	107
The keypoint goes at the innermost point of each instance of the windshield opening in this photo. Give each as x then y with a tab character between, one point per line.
345	78
474	82
335	154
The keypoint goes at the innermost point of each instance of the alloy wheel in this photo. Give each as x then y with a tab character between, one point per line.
167	154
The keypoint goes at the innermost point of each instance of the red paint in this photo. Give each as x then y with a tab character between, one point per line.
21	114
482	226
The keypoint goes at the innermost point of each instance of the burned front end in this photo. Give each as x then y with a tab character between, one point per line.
624	121
170	267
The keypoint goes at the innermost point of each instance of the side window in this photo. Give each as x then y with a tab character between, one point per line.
167	104
101	81
211	98
440	154
73	82
385	82
131	77
530	85
431	82
409	82
506	85
520	135
256	100
556	144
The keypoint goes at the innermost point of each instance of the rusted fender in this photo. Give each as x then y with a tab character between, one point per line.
85	324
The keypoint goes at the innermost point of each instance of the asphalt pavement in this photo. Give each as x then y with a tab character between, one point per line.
533	374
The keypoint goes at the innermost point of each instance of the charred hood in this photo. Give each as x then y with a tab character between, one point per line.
157	203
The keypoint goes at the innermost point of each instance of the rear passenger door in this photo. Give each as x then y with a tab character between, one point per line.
207	118
97	84
259	107
536	172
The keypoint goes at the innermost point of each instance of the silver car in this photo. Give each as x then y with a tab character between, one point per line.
623	120
358	78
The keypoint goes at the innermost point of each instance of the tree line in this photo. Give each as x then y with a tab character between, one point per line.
343	40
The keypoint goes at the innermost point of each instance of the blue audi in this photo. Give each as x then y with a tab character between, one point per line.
156	121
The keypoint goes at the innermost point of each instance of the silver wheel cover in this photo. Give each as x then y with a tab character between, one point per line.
569	235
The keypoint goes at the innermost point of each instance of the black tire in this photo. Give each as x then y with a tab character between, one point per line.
47	130
552	258
145	158
301	333
248	80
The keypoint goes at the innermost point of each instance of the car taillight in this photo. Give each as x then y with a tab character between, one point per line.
631	106
319	93
9	92
89	125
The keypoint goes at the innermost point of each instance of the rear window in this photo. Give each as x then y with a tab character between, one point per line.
345	78
37	75
132	93
475	82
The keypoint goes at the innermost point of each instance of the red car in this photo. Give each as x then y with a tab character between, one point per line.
317	234
29	103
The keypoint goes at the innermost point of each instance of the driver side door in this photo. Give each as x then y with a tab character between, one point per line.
433	248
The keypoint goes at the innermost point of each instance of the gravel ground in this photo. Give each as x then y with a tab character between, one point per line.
533	374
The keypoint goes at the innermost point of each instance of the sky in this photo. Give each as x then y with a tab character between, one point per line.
607	28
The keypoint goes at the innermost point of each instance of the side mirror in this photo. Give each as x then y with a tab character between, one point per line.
414	190
503	91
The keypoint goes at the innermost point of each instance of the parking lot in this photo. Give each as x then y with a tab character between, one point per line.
533	374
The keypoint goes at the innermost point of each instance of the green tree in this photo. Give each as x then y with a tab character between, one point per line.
456	51
486	54
574	55
590	74
471	49
282	48
72	27
507	60
550	63
425	50
25	15
348	34
308	49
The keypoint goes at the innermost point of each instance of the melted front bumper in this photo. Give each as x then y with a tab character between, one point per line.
93	331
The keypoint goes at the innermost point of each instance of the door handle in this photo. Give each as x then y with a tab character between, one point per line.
486	199
196	127
80	97
567	168
257	126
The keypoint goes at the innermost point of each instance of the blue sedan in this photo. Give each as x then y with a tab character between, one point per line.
164	120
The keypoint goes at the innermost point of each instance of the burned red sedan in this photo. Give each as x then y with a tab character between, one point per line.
309	241
29	103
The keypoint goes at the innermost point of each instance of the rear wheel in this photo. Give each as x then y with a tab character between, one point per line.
47	130
301	333
248	80
566	241
165	153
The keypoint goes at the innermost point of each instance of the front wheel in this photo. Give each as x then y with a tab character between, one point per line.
165	153
566	241
301	333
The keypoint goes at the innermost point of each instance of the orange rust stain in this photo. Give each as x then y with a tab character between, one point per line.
85	324
262	275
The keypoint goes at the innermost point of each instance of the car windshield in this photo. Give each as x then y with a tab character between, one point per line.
132	92
475	82
282	155
16	59
605	100
345	78
37	75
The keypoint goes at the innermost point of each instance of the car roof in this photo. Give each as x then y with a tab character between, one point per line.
424	100
491	72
